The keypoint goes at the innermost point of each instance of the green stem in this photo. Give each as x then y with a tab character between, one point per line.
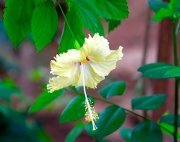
145	51
176	97
127	110
65	19
111	103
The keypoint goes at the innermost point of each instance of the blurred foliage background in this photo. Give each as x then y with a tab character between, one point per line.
24	72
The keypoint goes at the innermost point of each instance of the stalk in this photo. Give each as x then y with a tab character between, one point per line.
176	97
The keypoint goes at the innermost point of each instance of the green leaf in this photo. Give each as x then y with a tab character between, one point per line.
74	133
72	36
86	15
112	24
156	5
169	119
168	129
8	89
89	17
126	134
160	71
17	19
172	73
175	7
150	66
44	24
147	131
113	89
39	1
74	110
109	121
112	10
172	11
162	14
148	102
44	99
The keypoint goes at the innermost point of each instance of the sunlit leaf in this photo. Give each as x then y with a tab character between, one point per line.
39	1
168	129
44	24
17	19
174	72
113	10
169	119
89	17
171	11
162	14
74	110
44	99
72	36
86	15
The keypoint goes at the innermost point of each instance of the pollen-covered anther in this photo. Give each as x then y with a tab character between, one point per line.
88	117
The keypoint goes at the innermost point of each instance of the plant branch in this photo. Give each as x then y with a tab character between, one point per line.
145	51
111	103
127	110
176	97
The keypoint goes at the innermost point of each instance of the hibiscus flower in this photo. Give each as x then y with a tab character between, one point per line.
84	67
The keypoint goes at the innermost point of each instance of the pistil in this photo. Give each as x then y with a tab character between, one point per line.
91	114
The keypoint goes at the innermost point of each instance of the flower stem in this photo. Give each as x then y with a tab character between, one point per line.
176	97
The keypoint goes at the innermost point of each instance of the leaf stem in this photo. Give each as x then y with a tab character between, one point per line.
176	97
65	19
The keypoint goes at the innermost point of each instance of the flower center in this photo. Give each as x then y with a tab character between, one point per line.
85	60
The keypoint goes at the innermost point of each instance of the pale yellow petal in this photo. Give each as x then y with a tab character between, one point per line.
66	64
90	77
57	83
96	47
104	67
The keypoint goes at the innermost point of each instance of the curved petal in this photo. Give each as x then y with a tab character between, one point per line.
66	64
57	83
90	77
95	48
103	68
